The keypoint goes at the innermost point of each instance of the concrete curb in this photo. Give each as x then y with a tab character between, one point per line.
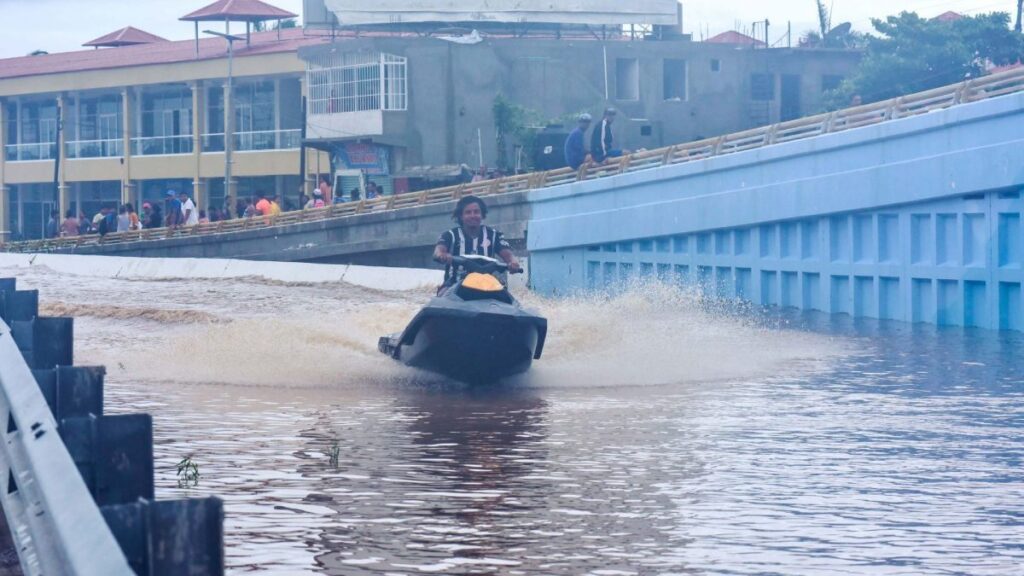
378	278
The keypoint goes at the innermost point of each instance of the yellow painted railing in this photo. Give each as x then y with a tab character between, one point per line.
905	106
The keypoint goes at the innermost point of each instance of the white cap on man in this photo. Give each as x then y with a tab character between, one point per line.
584	117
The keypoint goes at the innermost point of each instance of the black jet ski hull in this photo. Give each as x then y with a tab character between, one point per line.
478	342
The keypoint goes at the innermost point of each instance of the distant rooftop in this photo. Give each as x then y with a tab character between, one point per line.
734	37
238	10
949	16
127	36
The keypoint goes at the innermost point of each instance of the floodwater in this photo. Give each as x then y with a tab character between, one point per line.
660	434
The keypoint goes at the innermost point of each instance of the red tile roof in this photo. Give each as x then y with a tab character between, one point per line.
249	10
734	37
125	37
157	53
949	16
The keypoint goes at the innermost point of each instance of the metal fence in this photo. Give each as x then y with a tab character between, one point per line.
903	107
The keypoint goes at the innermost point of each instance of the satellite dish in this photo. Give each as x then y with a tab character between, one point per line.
841	30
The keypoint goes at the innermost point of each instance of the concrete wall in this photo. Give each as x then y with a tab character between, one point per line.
452	89
403	238
916	219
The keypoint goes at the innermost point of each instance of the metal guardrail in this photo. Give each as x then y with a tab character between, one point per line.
903	107
55	524
77	485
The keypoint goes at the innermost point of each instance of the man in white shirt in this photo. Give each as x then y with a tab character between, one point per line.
189	214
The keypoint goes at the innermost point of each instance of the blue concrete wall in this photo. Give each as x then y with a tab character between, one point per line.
916	219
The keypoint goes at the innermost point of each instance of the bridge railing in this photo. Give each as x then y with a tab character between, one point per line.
973	90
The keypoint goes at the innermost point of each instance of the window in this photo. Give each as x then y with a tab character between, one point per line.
674	76
11	119
627	79
762	87
356	81
830	82
716	65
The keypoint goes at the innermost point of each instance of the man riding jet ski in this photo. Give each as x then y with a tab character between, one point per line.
474	330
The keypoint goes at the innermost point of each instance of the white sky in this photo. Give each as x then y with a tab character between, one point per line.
63	25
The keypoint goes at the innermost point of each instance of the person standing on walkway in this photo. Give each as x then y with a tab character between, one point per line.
575	151
71	225
53	224
189	214
173	210
602	142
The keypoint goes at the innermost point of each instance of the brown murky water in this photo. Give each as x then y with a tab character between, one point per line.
660	434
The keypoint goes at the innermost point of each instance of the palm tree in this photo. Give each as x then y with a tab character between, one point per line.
824	19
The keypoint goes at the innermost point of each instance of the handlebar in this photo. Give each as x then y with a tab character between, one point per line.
484	264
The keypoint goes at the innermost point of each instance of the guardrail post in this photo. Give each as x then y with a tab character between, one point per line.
717	148
669	154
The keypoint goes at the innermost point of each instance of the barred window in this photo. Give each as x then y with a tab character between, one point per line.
356	81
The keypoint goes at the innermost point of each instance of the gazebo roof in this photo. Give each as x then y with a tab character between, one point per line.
239	11
127	36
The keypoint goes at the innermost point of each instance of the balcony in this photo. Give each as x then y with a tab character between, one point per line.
111	148
162	145
255	141
30	152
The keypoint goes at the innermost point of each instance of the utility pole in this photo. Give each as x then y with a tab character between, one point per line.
1020	8
229	117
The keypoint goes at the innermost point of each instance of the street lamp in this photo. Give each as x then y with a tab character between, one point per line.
229	116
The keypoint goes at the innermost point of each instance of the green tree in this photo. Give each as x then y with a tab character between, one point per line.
912	54
515	121
261	26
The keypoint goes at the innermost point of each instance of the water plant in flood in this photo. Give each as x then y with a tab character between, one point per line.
333	454
188	472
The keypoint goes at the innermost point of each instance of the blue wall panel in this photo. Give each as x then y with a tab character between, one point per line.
916	219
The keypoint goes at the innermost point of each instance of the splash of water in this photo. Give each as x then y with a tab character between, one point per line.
649	335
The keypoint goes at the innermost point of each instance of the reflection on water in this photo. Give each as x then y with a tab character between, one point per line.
826	446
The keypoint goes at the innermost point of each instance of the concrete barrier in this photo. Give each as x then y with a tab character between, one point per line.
377	278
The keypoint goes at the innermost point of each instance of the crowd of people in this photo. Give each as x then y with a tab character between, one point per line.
178	210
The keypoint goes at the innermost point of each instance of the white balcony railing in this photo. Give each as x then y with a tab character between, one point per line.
29	152
112	147
253	141
157	145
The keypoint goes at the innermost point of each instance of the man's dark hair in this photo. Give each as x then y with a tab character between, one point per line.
466	201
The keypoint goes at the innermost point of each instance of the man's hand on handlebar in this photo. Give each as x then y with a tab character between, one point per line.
515	268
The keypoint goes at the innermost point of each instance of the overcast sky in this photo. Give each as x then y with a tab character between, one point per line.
63	25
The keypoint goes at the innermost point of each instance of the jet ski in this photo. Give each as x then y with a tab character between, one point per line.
474	331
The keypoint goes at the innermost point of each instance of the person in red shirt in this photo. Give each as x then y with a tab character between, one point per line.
263	205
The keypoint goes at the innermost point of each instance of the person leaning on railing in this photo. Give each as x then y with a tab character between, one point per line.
70	226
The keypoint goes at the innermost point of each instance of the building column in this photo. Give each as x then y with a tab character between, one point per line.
127	124
198	107
5	192
307	183
63	201
5	218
